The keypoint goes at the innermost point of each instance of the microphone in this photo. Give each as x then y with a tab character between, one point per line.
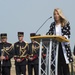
43	24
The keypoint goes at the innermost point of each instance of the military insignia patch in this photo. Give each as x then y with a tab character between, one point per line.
17	45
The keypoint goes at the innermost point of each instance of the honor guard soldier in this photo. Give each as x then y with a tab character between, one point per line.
33	59
6	53
0	55
74	50
21	51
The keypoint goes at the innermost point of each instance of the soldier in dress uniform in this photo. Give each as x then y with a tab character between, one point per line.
0	54
21	51
6	53
74	50
33	56
0	37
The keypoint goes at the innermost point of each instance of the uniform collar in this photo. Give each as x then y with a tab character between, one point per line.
21	41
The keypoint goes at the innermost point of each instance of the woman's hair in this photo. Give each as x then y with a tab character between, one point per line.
62	17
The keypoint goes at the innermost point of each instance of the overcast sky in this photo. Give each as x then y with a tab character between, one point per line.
28	16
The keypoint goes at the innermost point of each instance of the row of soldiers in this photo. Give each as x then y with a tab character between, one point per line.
24	53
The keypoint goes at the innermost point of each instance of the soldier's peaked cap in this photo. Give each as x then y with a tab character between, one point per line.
20	33
3	35
32	34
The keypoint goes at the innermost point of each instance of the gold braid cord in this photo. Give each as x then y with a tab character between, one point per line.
7	50
34	48
23	52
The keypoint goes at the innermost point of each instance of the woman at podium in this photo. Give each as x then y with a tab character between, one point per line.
61	27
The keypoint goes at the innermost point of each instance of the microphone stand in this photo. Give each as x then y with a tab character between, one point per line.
43	24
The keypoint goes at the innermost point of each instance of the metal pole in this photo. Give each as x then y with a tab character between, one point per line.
40	51
56	62
50	49
47	58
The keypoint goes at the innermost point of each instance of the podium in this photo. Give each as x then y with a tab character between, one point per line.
47	42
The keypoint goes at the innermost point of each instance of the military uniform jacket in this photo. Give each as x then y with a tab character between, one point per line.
34	53
65	31
20	49
74	50
7	52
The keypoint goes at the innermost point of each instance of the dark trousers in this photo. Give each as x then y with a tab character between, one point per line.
5	70
63	68
30	69
0	70
20	69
